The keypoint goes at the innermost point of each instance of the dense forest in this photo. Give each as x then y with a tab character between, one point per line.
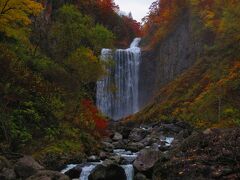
50	63
49	60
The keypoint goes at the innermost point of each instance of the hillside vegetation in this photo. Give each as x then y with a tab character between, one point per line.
208	93
49	65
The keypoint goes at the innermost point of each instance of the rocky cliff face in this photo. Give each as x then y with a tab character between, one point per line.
172	56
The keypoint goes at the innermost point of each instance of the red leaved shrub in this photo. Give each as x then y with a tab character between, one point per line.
92	114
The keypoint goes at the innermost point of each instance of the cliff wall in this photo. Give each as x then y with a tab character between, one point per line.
172	56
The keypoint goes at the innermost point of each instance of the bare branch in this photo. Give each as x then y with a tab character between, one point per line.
4	6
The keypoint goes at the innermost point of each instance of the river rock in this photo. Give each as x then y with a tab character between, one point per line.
74	172
117	136
108	146
93	158
107	162
140	176
147	127
208	131
48	175
107	139
119	145
171	128
212	154
126	141
4	163
103	155
135	146
110	172
183	125
183	134
155	146
7	174
164	148
137	134
157	131
98	173
147	141
125	132
26	167
116	159
146	160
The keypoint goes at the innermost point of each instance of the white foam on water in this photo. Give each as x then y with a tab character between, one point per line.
117	93
70	166
129	171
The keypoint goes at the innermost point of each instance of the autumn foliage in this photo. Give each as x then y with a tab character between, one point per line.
207	94
15	14
106	13
91	114
162	16
48	66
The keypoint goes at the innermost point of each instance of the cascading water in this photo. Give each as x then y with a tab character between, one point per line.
117	97
122	100
87	168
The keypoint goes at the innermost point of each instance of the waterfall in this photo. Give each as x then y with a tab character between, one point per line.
129	171
86	171
117	93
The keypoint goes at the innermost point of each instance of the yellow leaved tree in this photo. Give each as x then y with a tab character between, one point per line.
15	16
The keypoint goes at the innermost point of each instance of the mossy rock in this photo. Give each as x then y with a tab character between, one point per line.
55	156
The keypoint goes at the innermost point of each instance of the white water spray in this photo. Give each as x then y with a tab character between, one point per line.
122	100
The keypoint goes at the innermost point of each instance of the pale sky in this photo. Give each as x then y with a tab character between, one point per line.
139	8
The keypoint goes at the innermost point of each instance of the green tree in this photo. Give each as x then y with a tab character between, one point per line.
14	16
101	37
69	31
84	66
229	28
72	30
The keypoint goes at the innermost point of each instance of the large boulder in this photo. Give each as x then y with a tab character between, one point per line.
182	135
146	160
7	174
110	172
107	146
98	173
147	141
125	132
103	155
137	134
74	172
135	146
26	167
117	136
4	163
119	145
140	176
48	175
108	162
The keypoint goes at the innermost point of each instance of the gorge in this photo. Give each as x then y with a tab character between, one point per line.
82	98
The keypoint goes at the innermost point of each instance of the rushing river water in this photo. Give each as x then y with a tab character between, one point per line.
88	167
124	158
128	156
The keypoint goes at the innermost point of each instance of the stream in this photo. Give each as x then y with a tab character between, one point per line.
128	156
130	152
